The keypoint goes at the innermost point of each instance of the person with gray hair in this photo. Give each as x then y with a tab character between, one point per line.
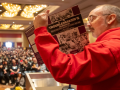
97	67
110	9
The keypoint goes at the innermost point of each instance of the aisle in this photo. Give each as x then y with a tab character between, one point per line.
3	87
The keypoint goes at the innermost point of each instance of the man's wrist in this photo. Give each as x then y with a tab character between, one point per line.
40	30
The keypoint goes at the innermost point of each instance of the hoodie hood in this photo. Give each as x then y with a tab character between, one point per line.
113	33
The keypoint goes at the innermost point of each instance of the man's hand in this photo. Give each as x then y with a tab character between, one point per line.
38	68
41	20
15	72
5	72
18	78
33	66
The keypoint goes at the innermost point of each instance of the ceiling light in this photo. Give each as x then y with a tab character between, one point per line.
85	20
62	0
9	14
27	15
0	5
15	26
13	22
29	22
4	26
0	10
11	9
22	28
30	9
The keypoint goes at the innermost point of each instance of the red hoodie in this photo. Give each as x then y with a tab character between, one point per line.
95	68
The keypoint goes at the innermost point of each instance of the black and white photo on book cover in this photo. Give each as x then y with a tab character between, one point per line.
72	41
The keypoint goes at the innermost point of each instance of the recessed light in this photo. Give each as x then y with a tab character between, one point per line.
0	5
62	0
22	28
29	22
85	18
13	22
0	10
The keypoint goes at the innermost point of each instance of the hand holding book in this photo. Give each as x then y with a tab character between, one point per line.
41	20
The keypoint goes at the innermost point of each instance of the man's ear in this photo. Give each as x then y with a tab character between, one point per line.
111	18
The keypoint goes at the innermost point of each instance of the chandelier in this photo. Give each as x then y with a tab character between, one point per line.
11	9
5	26
16	26
29	10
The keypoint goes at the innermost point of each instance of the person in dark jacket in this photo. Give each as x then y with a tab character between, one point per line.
1	72
27	66
14	69
6	70
35	67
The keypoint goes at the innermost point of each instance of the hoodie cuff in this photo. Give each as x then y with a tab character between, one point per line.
40	30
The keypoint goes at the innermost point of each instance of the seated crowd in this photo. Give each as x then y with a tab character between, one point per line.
15	62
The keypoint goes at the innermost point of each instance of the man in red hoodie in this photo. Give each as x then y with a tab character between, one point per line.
95	68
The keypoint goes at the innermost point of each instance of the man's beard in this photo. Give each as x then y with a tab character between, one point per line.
91	28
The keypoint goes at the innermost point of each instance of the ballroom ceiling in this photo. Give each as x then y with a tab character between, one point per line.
18	14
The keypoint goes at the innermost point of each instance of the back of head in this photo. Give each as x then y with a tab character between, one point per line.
111	9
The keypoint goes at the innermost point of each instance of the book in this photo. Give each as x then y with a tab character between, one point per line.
67	28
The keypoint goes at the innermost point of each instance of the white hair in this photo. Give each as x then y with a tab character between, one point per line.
109	9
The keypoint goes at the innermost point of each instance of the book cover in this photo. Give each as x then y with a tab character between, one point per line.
68	29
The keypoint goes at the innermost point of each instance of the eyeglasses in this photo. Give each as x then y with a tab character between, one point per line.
91	18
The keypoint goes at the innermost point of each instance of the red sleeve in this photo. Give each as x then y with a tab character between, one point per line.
94	64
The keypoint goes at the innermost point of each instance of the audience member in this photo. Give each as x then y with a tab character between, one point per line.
35	66
20	80
1	72
27	66
15	68
16	61
6	70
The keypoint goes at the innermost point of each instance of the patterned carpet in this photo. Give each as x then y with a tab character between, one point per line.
3	87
